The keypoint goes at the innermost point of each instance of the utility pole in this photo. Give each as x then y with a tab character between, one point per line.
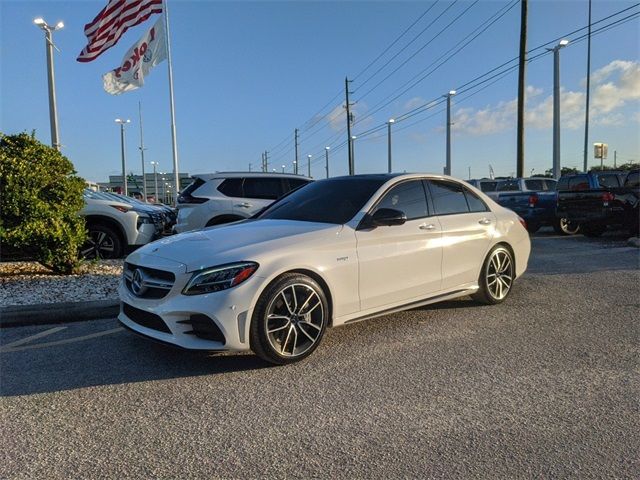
521	88
353	153
53	107
556	107
586	110
389	123
266	161
262	162
155	181
447	170
615	159
295	162
349	139
326	159
309	165
142	149
122	123
250	166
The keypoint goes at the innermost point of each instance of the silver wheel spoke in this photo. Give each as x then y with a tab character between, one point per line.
312	308
312	325
278	328
284	344
305	333
295	299
306	302
101	236
284	297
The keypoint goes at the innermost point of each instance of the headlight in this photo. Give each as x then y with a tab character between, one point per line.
142	219
219	278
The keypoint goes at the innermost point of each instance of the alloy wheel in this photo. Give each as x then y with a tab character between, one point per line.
568	228
499	274
99	245
295	319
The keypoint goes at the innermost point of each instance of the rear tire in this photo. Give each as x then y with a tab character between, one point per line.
103	243
496	276
289	320
563	227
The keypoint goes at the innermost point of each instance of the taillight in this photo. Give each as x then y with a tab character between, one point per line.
608	197
533	200
189	199
522	222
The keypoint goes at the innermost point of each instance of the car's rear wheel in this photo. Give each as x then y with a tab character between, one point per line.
496	277
102	243
289	320
562	226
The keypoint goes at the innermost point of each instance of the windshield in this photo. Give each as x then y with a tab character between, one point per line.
335	200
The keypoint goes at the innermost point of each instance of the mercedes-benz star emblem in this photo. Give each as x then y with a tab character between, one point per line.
137	283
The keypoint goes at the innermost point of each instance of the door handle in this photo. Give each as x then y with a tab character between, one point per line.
244	205
425	226
484	221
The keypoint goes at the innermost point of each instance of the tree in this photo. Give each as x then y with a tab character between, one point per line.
563	171
41	198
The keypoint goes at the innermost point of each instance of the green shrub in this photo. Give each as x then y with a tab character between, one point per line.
41	196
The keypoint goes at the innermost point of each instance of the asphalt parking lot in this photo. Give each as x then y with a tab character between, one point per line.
545	385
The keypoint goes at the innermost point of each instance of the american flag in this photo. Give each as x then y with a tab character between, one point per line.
113	20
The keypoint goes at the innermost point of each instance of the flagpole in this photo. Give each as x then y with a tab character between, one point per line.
174	144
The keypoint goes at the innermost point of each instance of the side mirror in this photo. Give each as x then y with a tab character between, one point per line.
386	217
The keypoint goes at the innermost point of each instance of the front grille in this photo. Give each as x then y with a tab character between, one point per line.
155	283
205	328
145	319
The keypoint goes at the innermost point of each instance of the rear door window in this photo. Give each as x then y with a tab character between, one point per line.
474	202
580	182
608	180
231	187
408	197
263	187
448	197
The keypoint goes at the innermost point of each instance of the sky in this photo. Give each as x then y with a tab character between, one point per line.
247	73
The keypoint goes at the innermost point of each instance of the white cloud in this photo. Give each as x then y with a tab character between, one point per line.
613	86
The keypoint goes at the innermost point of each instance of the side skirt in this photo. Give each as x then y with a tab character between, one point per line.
419	303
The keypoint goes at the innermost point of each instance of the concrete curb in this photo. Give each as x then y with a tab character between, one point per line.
634	242
48	313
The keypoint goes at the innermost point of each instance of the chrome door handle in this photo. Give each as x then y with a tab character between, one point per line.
426	226
244	205
484	221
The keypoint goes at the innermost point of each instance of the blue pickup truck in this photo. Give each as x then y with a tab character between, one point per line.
534	199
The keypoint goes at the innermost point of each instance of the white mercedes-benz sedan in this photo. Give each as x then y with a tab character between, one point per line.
330	253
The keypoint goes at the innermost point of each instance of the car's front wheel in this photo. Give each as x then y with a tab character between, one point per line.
496	276
289	320
102	243
562	226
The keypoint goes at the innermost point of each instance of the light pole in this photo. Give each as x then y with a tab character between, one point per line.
155	180
168	192
53	108
389	123
556	106
309	165
295	167
326	159
142	149
353	154
447	169
124	159
283	167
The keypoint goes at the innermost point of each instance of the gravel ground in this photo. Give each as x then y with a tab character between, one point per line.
545	385
29	283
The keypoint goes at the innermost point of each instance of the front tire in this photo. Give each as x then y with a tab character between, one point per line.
102	243
562	226
289	320
496	277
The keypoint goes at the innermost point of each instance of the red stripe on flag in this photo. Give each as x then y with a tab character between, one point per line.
117	22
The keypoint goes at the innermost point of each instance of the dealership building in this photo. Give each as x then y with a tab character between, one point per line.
164	193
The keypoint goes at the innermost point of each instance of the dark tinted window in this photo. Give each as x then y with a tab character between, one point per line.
408	197
447	197
265	188
608	181
508	186
488	186
563	184
231	187
536	185
550	184
475	204
633	180
193	186
336	200
580	182
296	182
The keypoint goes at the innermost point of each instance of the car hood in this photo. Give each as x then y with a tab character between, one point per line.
246	240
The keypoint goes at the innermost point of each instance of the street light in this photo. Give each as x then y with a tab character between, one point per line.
53	108
124	160
295	167
283	167
391	121
155	180
447	169
326	159
353	153
556	106
309	165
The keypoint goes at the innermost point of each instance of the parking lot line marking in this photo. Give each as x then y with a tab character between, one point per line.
31	338
61	342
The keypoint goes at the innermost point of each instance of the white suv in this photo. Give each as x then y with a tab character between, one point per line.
213	199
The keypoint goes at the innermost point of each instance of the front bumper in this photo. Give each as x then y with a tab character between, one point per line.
180	319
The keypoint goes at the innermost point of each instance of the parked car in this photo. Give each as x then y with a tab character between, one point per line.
330	253
213	199
534	199
113	226
157	215
597	200
484	184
